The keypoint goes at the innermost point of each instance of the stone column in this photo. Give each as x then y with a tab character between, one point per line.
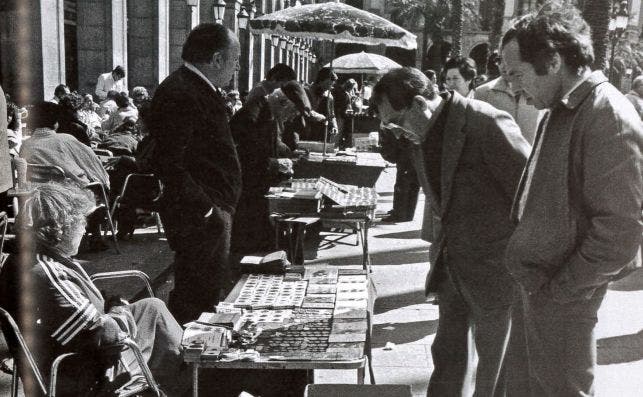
53	45
163	39
231	22
101	40
195	14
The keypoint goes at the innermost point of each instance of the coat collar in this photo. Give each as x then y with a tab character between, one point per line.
580	93
452	144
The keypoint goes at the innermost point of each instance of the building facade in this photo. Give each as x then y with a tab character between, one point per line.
44	43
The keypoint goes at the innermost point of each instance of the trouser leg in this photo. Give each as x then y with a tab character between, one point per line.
491	333
450	347
561	344
201	269
159	338
517	359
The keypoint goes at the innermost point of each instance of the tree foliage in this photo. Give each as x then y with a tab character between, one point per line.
597	15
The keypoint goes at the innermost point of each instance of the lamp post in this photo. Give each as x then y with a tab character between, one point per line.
243	18
219	11
616	27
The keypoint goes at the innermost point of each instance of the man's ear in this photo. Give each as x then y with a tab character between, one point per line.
216	59
554	65
419	102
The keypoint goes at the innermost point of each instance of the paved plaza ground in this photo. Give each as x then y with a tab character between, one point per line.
402	316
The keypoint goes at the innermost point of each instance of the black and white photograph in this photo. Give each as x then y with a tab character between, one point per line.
390	198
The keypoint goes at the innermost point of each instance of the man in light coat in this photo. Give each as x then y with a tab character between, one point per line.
578	207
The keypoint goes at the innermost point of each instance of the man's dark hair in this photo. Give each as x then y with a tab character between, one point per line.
119	71
112	94
203	41
71	102
60	90
281	72
431	75
555	28
44	115
325	73
466	66
122	100
400	86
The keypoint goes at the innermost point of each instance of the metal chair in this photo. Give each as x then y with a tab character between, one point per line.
103	202
4	221
149	181
47	387
45	173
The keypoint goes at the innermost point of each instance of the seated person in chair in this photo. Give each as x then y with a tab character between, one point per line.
136	159
59	309
79	162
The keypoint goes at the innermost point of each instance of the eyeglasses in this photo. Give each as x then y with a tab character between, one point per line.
454	79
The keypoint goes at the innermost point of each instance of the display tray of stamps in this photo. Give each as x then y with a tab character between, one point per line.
323	316
316	195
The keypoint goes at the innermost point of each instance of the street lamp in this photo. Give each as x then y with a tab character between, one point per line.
274	40
243	18
283	42
617	25
289	44
219	11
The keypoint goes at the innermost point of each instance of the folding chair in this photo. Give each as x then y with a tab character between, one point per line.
47	387
148	182
4	220
45	173
103	202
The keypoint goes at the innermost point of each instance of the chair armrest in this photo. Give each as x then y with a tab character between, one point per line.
54	371
125	274
143	364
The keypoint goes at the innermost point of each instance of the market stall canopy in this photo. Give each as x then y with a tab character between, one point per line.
363	63
334	21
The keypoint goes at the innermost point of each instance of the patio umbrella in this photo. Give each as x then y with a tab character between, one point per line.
338	22
363	63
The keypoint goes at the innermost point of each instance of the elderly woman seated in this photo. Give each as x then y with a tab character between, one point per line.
125	110
59	309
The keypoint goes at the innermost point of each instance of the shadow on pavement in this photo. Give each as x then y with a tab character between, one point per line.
407	235
633	282
620	349
401	333
391	302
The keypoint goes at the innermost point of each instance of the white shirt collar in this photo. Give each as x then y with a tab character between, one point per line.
198	73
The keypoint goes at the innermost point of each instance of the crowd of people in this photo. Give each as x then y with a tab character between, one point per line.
532	181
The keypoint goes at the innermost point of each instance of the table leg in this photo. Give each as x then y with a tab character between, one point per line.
310	376
195	380
366	258
360	375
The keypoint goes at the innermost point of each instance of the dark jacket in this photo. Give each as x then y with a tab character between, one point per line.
581	224
258	144
195	154
483	155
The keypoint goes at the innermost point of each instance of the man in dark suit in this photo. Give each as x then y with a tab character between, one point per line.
469	157
578	207
196	159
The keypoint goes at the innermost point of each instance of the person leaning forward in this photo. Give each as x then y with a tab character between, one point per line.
578	207
469	157
196	160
